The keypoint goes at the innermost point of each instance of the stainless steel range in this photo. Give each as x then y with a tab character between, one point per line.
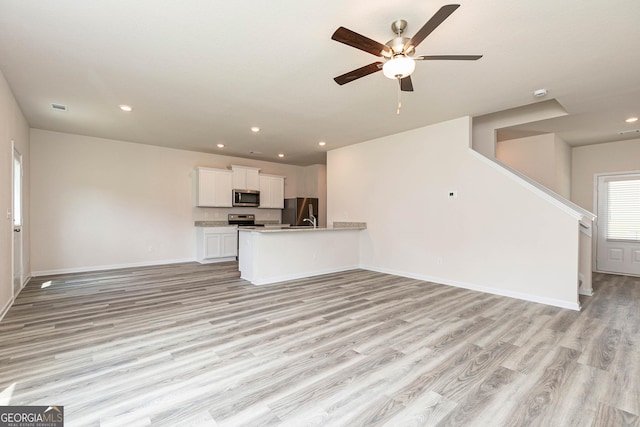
242	220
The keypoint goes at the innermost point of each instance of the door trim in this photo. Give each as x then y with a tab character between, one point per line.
15	153
596	231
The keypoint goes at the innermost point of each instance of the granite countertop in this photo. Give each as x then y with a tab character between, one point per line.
266	223
212	224
271	227
337	226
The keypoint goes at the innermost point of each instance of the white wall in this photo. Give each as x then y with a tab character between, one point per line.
588	160
496	236
101	203
563	167
13	127
544	158
485	127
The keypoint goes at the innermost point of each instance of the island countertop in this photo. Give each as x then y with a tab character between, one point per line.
289	229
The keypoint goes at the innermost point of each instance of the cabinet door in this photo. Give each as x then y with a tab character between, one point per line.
277	192
265	191
223	197
245	178
206	187
213	188
271	192
239	179
213	245
253	179
229	244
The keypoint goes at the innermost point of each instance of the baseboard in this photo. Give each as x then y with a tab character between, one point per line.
109	267
616	274
24	283
474	287
9	303
216	260
6	308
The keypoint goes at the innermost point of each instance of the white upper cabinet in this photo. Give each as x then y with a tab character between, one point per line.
213	187
245	178
271	191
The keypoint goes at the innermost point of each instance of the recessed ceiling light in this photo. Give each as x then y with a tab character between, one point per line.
322	143
540	93
281	155
126	108
631	119
255	129
220	145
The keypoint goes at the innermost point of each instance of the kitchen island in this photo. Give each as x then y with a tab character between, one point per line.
269	255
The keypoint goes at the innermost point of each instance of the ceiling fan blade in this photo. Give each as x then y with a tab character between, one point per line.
353	39
431	25
360	72
406	85
448	57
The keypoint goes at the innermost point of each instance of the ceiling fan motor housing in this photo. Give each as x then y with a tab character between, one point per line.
397	46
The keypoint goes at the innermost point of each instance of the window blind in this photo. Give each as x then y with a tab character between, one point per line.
623	209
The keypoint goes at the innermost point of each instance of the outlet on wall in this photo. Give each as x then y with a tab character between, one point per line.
439	260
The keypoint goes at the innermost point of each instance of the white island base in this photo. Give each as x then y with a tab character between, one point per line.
269	256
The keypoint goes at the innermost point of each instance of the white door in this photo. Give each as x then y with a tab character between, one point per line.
618	205
17	221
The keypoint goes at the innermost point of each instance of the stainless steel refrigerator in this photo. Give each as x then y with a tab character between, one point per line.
297	209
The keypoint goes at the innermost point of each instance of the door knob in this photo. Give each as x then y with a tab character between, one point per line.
17	230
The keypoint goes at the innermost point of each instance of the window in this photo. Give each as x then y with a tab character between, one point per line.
623	210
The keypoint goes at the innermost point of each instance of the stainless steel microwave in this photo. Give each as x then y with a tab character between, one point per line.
249	198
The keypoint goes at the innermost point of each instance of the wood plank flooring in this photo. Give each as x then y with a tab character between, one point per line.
194	345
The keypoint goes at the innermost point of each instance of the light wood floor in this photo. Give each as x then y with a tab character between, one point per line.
193	344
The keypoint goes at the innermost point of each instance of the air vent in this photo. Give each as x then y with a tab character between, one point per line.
59	107
627	132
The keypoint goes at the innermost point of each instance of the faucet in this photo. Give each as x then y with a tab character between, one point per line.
312	219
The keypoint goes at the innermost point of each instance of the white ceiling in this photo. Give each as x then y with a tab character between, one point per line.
200	72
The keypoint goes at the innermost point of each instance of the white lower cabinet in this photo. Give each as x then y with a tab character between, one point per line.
216	244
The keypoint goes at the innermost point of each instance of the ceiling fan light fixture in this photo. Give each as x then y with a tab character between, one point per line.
399	67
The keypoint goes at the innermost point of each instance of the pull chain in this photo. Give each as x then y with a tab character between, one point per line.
399	99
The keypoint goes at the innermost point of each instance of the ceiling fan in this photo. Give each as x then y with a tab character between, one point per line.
398	52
